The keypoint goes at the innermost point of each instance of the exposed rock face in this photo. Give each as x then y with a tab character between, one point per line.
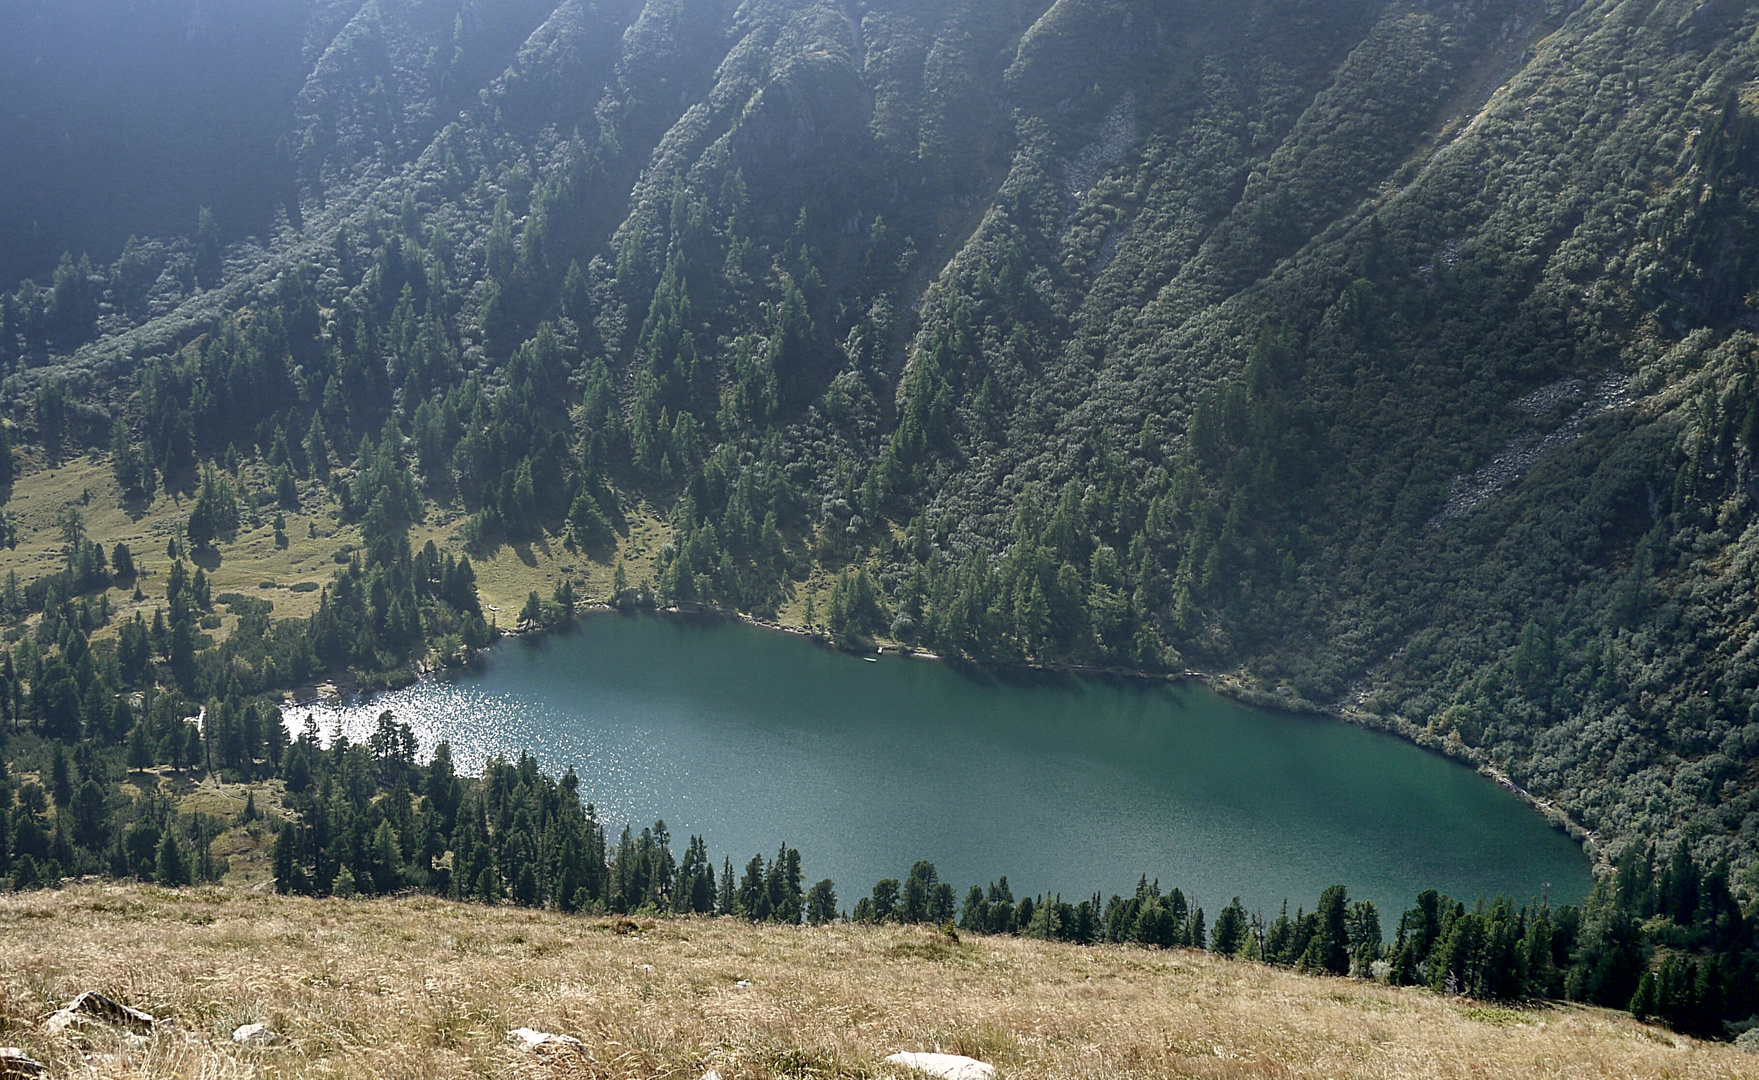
92	1007
946	1066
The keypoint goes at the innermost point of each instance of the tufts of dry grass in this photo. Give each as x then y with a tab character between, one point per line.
416	987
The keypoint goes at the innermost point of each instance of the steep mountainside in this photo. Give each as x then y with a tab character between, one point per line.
1398	359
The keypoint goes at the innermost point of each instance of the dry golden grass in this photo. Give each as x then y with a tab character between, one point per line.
415	987
507	574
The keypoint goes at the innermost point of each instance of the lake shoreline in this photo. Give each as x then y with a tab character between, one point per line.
1230	687
694	719
1234	689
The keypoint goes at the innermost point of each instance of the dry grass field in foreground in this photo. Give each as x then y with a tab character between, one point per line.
416	987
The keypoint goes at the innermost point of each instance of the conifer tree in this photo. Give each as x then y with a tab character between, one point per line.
754	893
1230	930
140	750
974	915
60	778
821	903
215	513
727	903
91	816
1644	1001
885	899
171	862
317	448
1328	949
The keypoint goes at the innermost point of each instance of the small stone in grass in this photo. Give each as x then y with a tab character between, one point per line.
253	1035
945	1066
532	1040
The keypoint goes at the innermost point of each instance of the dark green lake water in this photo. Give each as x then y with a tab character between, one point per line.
752	738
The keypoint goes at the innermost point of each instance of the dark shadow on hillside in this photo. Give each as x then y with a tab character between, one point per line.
134	504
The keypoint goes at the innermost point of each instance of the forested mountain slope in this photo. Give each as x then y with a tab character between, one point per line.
1397	358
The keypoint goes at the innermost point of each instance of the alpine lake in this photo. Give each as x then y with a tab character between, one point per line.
753	738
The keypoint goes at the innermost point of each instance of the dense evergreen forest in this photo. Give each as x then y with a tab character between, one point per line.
1395	359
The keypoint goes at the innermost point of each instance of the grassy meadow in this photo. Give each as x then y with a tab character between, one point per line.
418	987
290	576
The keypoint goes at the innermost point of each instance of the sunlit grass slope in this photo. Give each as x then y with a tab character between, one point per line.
253	563
416	987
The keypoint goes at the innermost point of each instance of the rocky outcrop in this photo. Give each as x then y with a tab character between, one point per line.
15	1064
92	1007
1583	400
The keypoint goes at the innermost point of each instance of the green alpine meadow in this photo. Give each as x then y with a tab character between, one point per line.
1279	478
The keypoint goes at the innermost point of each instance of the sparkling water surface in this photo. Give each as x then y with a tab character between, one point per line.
753	738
